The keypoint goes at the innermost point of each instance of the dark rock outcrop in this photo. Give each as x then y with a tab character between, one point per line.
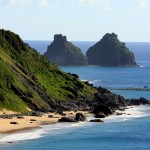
96	120
109	51
140	101
66	119
80	117
102	108
14	122
100	115
61	52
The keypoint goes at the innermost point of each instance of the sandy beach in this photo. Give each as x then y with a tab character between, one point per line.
27	129
30	121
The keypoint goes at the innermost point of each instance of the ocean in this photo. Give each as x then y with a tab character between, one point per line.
125	132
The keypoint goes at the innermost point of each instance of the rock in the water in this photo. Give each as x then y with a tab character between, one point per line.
119	113
96	120
109	51
61	52
140	101
80	117
66	119
100	115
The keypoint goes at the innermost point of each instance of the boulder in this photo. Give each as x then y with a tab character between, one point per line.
20	117
14	122
33	120
80	117
96	120
118	114
102	108
100	115
139	101
66	119
50	116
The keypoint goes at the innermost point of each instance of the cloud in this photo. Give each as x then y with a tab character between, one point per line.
96	4
42	3
4	2
144	3
12	2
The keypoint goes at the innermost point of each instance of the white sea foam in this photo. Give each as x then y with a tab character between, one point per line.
141	66
85	80
34	134
92	81
129	114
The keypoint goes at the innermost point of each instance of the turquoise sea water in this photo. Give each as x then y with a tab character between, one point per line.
117	133
116	78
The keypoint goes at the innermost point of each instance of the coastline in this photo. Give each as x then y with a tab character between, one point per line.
26	130
30	122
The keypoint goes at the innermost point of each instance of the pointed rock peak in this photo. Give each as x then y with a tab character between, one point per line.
63	53
108	36
60	38
110	51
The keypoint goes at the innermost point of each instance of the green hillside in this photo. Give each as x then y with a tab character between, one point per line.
28	80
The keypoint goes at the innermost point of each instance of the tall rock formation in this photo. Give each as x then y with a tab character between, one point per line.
109	51
63	53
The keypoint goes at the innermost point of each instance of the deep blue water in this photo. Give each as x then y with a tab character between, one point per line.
133	134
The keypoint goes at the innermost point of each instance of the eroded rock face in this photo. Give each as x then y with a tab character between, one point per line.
62	53
109	51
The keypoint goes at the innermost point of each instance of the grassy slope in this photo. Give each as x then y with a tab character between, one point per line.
19	63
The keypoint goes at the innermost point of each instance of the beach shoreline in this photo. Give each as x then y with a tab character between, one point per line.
30	122
8	131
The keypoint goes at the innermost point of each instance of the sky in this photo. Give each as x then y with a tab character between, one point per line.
79	20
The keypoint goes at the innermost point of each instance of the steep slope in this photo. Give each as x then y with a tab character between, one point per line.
61	52
109	51
28	80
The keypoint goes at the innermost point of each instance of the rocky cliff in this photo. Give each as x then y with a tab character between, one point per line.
109	51
61	52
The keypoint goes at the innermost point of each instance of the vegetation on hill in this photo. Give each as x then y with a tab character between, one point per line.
29	81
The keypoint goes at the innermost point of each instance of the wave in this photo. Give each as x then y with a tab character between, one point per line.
94	81
20	136
39	133
141	66
132	112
